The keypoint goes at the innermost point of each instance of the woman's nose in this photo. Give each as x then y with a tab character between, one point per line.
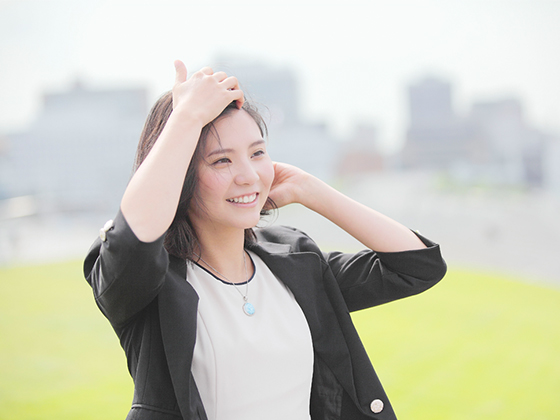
246	174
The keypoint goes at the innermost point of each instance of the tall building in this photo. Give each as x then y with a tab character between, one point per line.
430	103
551	165
274	90
4	167
78	154
498	129
493	144
509	151
435	135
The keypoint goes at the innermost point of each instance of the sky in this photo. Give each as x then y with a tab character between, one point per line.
353	59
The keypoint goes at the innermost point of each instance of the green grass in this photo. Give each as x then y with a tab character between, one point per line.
59	358
477	346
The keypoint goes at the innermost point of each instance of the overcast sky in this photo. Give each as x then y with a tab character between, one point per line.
353	59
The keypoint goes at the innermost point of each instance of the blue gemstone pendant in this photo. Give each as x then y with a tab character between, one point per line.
248	309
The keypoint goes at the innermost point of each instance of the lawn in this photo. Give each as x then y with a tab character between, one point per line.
476	346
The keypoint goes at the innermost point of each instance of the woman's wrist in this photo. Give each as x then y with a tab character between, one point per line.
185	117
312	192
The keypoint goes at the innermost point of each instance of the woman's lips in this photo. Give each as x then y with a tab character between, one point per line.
243	199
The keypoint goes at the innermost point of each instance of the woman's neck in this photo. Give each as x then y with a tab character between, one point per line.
223	253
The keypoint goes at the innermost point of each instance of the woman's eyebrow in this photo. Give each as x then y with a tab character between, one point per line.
256	143
229	150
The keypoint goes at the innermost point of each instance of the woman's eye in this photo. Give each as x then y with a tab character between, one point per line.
222	160
258	153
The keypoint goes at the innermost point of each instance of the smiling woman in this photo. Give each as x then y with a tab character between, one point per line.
219	319
234	178
210	152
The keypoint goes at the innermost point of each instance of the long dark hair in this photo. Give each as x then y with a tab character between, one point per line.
180	239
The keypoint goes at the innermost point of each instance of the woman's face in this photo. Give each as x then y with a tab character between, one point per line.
234	176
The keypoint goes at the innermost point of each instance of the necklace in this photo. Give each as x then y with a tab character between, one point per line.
248	308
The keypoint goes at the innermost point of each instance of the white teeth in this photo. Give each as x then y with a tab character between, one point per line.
244	199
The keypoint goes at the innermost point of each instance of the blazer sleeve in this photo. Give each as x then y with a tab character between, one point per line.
371	278
125	273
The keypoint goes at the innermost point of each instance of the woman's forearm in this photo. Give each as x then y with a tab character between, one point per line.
150	201
151	198
373	229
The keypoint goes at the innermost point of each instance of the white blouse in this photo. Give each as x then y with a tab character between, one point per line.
251	367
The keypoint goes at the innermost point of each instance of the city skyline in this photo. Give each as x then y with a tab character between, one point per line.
77	127
82	134
353	62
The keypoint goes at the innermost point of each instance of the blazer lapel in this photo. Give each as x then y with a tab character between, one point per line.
178	314
302	273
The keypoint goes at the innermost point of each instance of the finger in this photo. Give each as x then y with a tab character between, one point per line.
220	76
239	102
207	70
230	83
237	96
180	71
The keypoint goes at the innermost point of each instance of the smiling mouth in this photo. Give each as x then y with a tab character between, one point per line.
243	199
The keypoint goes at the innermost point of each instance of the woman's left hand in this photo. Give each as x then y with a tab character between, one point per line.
373	229
288	184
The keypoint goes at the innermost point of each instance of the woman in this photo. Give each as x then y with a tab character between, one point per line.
220	321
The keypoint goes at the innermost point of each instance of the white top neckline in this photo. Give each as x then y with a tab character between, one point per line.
258	366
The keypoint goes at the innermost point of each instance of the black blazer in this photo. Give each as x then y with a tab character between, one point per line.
143	292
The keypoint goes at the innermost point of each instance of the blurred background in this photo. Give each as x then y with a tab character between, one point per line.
444	115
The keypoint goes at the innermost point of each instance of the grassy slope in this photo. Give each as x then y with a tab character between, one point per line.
476	346
59	358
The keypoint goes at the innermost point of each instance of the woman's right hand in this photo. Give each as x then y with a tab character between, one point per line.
150	200
205	94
